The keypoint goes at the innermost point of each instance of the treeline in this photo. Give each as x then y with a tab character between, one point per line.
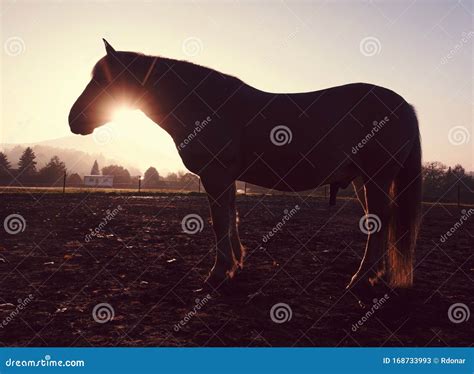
444	183
27	172
52	174
440	182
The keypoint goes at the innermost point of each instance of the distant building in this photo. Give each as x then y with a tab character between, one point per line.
98	180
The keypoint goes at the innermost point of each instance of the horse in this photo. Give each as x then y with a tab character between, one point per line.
356	133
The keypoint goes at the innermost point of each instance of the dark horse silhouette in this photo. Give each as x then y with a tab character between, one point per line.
358	133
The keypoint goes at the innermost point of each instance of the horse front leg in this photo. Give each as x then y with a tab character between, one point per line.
220	198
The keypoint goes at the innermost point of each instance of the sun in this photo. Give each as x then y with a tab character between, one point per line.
141	141
131	123
125	116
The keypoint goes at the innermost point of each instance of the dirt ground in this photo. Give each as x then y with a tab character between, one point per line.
150	274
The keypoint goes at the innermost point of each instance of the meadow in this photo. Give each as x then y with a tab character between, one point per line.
114	268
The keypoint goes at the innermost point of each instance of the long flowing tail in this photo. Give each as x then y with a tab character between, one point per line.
406	192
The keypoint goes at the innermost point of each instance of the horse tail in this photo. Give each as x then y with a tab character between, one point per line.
406	193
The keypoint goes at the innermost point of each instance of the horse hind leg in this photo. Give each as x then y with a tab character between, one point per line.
359	189
237	247
375	223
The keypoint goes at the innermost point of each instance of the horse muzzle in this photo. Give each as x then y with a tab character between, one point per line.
79	124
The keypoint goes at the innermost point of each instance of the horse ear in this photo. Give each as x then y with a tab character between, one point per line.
108	48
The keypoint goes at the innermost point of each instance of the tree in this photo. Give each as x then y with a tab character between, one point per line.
27	165
74	180
459	171
172	177
189	181
95	168
5	168
151	178
53	172
121	175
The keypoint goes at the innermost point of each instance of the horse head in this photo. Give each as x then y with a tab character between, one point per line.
116	82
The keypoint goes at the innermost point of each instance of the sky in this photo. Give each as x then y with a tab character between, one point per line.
421	49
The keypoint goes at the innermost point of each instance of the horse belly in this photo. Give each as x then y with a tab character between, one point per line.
305	154
296	167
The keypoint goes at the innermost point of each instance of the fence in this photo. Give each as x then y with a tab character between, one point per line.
458	194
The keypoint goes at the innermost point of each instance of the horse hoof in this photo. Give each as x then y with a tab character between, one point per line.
221	280
362	290
216	280
213	281
368	288
370	279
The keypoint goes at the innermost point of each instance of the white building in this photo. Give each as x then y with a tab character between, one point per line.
98	180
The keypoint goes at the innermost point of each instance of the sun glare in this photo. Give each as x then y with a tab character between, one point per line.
124	116
131	123
132	130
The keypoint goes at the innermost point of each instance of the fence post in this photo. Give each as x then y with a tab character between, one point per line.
139	184
64	183
459	194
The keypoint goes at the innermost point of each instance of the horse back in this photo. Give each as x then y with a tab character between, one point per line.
323	128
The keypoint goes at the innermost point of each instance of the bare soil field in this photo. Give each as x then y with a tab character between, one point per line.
55	275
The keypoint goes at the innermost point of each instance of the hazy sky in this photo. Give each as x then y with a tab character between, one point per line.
423	50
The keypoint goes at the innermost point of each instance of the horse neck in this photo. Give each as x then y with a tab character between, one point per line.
167	86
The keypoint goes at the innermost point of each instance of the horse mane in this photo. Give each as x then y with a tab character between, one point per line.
191	66
143	61
102	65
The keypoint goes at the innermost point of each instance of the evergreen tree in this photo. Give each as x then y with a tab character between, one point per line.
95	168
27	165
5	168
